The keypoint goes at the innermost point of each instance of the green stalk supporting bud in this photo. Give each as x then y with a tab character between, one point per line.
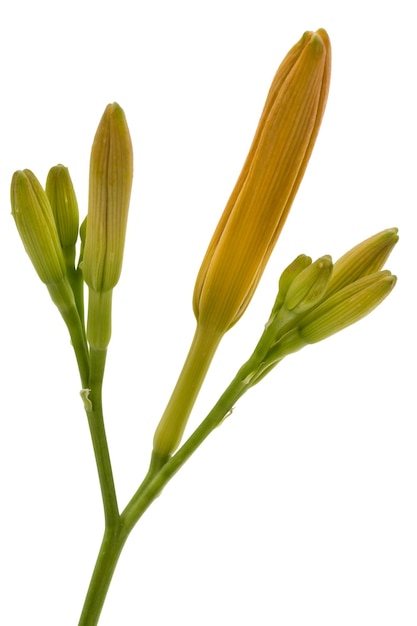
111	173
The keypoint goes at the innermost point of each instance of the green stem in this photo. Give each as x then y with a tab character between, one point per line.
155	481
79	343
174	419
75	277
63	297
94	410
160	472
158	476
110	550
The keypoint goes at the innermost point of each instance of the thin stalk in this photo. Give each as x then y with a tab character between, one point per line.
155	482
94	410
79	343
108	556
159	474
174	419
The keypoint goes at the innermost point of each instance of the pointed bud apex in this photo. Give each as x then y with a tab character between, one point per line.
347	306
310	286
259	204
35	222
366	258
63	201
111	173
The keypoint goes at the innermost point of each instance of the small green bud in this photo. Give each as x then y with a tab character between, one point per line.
111	173
61	195
35	222
309	286
366	258
347	306
288	275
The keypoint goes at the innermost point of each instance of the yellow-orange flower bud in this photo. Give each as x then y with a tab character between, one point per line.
257	209
366	258
111	173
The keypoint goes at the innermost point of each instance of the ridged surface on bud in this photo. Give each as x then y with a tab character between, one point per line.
259	204
288	275
367	257
309	287
111	173
63	201
35	222
309	311
347	306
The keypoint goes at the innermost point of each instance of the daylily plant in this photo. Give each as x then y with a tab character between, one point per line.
314	300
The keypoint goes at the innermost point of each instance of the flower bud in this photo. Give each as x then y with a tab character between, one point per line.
367	257
309	287
347	306
35	222
62	198
111	173
258	207
288	275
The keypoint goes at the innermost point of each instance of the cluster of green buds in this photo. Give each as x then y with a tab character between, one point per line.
47	220
316	300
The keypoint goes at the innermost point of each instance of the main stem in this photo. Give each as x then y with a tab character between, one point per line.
158	476
108	556
114	538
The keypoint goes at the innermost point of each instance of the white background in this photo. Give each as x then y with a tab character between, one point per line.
301	509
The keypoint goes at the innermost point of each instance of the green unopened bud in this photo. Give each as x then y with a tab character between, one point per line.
309	287
35	222
61	195
111	172
288	275
346	306
342	309
366	258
